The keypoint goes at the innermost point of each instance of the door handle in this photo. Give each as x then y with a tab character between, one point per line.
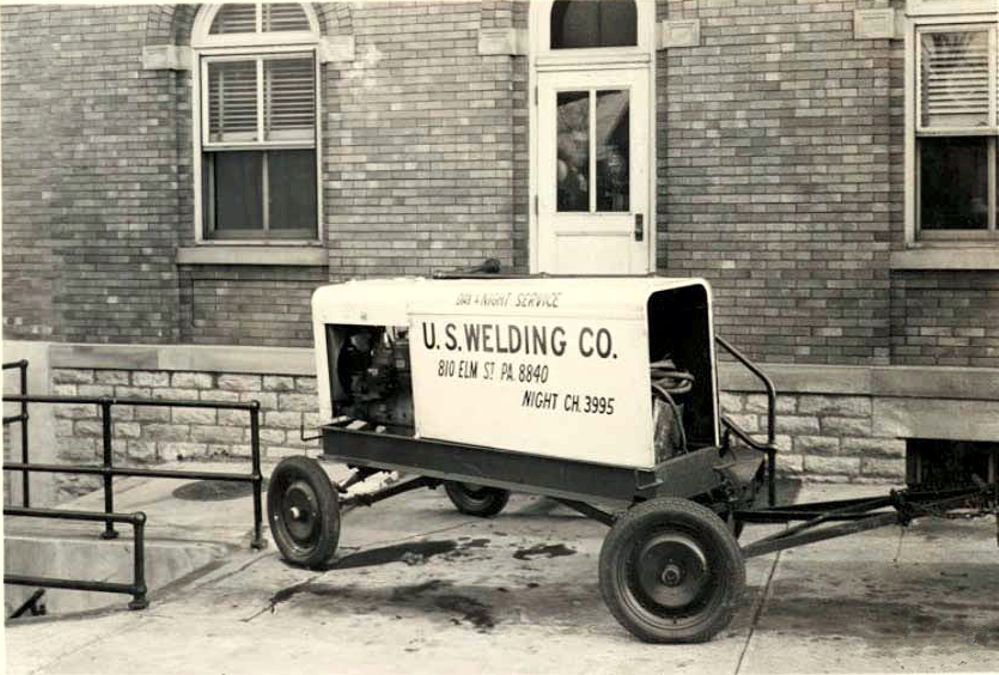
639	227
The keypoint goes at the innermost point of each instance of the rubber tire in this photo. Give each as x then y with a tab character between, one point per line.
307	472
484	502
702	525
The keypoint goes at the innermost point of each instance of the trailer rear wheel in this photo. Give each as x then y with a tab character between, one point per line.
304	512
671	571
476	500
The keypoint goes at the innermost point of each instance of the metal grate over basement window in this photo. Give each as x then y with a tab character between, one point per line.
944	464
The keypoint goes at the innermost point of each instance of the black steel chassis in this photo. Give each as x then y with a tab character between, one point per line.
722	479
727	479
670	568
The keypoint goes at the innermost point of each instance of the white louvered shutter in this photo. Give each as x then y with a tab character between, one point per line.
235	18
954	79
289	99
285	17
232	101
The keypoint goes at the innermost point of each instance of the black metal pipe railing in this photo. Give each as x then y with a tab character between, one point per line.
22	366
137	589
107	470
770	448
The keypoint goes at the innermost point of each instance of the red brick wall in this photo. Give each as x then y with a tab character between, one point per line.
775	179
248	305
780	178
945	319
90	215
419	172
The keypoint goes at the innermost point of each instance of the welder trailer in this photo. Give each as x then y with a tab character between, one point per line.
598	392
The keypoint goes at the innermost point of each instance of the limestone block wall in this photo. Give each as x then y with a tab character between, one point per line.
149	434
829	438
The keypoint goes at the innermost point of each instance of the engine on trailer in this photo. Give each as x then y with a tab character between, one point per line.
373	374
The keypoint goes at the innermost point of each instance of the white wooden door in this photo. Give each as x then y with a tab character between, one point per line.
593	172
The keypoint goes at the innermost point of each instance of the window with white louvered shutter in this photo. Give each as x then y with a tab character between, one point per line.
289	99
956	131
957	79
256	100
257	177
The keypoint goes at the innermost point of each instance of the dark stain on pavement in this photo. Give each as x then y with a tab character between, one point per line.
543	551
411	553
877	619
427	597
471	610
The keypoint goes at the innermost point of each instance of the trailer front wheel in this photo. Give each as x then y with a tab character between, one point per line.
671	571
304	512
476	500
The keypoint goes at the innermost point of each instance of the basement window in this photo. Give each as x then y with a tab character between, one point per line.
944	464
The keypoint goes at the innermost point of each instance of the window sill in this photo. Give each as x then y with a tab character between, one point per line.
223	254
947	258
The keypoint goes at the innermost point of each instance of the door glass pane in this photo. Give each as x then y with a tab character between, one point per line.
573	161
237	191
953	183
291	185
579	24
612	150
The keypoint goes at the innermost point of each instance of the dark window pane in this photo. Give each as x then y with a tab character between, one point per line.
593	23
573	162
612	151
237	194
292	189
953	183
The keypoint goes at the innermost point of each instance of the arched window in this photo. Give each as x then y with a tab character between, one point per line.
257	142
582	24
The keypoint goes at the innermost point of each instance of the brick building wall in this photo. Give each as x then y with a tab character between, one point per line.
90	182
780	178
421	169
774	175
248	305
945	318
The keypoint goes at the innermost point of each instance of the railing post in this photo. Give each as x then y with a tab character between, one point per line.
139	600
109	531
258	539
25	475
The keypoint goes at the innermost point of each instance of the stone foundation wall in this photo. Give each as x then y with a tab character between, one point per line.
856	437
149	434
829	438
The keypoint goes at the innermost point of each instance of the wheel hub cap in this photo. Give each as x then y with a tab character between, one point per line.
672	570
300	509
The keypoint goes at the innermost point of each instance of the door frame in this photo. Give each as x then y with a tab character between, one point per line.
541	57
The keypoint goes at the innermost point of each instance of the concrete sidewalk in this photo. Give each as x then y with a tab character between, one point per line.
424	589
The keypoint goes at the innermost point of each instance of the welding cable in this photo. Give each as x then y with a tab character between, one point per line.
669	381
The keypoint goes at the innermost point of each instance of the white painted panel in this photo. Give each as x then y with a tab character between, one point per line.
556	386
579	255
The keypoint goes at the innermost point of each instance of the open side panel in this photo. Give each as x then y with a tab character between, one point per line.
680	333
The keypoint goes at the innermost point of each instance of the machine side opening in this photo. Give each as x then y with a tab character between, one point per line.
369	374
680	349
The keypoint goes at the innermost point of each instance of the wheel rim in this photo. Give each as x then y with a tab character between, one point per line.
299	515
672	570
475	491
668	577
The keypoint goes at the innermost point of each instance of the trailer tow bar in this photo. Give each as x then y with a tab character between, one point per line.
859	515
